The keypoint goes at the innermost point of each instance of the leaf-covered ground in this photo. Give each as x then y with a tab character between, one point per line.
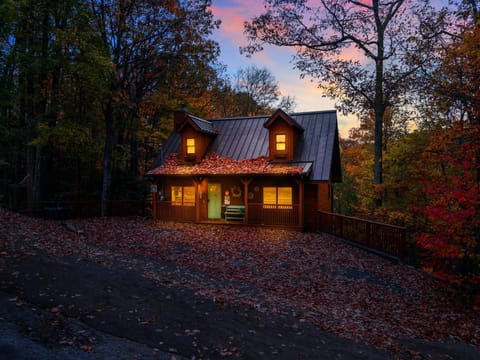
313	278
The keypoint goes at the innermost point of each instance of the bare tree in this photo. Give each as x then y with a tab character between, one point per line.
364	54
259	85
259	91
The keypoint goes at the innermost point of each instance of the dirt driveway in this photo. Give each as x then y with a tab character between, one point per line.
130	289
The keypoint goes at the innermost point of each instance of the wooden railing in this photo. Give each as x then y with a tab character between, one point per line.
271	215
165	210
389	239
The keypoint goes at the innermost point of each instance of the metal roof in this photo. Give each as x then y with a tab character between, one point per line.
242	138
201	125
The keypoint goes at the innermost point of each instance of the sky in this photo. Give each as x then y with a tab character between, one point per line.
277	60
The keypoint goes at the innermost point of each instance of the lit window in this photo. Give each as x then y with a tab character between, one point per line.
191	146
280	142
284	197
189	195
183	195
277	197
269	197
177	195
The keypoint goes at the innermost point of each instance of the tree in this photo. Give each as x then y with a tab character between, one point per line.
47	63
258	91
456	83
259	86
449	237
390	42
152	45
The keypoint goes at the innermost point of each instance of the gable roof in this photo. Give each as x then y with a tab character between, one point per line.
200	125
243	138
280	114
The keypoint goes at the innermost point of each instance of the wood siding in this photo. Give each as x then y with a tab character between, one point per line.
281	127
201	144
248	192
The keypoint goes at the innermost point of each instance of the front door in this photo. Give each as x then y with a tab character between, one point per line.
214	201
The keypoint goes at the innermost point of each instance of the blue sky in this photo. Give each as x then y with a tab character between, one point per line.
230	37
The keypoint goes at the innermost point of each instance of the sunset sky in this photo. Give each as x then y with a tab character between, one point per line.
230	36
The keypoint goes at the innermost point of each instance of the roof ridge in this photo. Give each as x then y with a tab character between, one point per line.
269	115
197	118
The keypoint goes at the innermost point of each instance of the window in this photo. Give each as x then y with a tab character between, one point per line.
190	146
183	195
277	197
281	142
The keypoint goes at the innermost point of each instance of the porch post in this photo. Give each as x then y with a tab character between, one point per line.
196	182
301	191
245	183
154	195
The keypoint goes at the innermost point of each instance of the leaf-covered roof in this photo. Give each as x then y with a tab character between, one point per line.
246	138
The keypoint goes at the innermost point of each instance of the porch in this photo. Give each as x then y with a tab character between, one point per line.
254	214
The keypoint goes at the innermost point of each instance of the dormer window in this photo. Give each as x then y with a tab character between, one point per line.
281	142
283	135
190	146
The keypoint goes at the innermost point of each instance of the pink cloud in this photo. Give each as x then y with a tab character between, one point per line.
234	13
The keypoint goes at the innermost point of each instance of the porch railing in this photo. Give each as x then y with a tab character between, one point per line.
167	211
282	215
389	239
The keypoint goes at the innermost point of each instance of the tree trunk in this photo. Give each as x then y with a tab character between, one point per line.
37	193
107	158
379	107
133	169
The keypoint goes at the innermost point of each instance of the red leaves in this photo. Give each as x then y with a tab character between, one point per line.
449	235
313	277
213	164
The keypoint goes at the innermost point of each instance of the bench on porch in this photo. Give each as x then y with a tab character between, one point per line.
235	212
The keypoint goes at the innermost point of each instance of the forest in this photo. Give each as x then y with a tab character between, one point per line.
88	89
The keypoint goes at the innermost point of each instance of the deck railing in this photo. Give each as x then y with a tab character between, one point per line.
167	211
282	215
389	239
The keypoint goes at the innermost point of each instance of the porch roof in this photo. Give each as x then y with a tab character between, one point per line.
213	164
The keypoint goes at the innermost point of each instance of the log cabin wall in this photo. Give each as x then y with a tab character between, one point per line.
201	144
311	205
281	127
325	201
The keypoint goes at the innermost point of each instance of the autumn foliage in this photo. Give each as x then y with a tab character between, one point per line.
450	236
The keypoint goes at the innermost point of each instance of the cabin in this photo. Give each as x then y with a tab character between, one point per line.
273	170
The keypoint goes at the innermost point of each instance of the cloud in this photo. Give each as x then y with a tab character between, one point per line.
277	60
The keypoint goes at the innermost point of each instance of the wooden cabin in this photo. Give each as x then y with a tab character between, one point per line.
273	170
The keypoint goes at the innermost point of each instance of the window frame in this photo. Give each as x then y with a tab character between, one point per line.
189	147
281	204
178	198
279	142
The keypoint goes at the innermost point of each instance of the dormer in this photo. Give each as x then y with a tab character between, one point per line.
283	133
195	136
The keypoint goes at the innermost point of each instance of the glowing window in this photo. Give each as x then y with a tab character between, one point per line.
277	197
269	197
183	195
280	142
191	146
284	196
189	195
177	195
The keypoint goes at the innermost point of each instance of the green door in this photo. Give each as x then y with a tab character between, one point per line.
214	201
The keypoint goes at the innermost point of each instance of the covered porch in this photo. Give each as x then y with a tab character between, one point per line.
268	201
254	214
